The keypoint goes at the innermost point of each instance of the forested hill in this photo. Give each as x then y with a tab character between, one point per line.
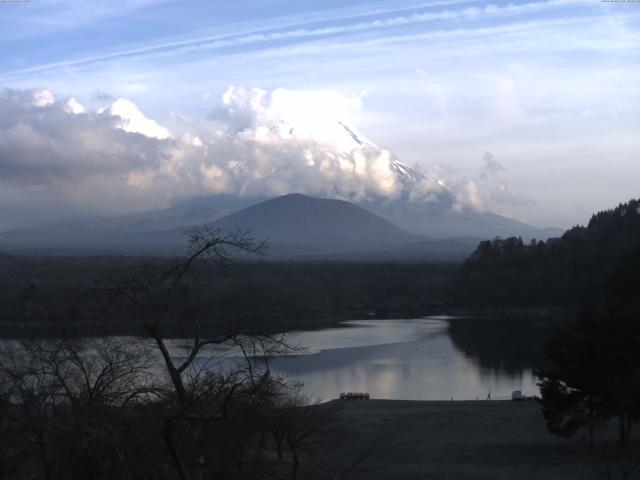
591	264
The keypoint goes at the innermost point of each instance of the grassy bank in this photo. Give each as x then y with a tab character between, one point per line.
388	439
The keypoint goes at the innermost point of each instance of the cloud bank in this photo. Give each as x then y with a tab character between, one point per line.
55	152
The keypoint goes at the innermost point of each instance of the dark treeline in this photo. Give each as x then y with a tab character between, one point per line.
49	294
568	271
316	292
54	294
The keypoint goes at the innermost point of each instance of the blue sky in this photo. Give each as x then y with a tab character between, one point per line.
550	88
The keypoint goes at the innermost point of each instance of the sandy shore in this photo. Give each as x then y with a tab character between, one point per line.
450	440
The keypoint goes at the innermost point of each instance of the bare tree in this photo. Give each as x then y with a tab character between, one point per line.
196	400
34	396
162	295
64	397
176	297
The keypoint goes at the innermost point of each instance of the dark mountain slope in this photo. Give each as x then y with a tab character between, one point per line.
296	224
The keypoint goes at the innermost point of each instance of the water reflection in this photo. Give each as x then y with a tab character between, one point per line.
413	359
434	358
503	343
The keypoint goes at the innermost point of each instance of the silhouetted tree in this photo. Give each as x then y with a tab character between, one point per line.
202	397
65	396
567	271
594	374
197	406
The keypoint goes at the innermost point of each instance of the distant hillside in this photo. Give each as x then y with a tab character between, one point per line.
296	225
134	233
439	219
297	219
574	269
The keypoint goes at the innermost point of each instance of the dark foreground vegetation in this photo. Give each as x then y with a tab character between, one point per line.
53	295
110	408
102	409
122	408
591	386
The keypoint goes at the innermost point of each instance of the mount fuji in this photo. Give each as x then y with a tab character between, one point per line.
383	204
421	202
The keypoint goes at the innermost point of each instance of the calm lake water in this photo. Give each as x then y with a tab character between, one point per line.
410	359
431	358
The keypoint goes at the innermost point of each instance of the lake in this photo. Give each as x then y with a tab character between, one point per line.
429	358
405	359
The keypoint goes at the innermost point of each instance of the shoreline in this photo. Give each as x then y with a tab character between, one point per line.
30	329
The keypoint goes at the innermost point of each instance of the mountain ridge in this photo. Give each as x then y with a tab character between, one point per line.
296	226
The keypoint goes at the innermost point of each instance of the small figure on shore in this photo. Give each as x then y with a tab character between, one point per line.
489	395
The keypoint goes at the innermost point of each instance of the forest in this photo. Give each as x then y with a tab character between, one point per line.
583	266
57	294
586	265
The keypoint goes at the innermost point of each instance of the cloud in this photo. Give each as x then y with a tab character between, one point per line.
71	161
282	141
317	114
133	120
116	159
43	140
488	189
304	27
182	118
102	96
491	165
468	196
496	187
73	106
263	144
42	98
501	194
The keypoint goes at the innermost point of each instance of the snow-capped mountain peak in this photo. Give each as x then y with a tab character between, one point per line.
306	142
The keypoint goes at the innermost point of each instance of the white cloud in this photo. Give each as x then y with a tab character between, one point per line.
134	121
282	141
313	115
468	196
487	190
272	143
72	162
42	98
270	147
427	190
73	106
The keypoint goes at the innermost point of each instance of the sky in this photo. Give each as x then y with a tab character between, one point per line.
530	109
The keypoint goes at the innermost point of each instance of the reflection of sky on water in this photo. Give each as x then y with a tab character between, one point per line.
361	333
399	359
412	359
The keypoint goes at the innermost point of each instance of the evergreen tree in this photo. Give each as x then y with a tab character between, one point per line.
594	374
